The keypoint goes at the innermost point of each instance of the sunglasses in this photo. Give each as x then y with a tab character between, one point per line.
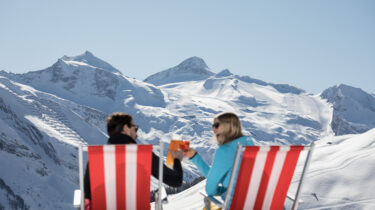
216	125
136	127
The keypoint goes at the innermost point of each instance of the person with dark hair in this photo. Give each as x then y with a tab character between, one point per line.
122	130
228	132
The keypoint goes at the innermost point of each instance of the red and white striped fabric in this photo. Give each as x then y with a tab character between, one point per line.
120	176
264	177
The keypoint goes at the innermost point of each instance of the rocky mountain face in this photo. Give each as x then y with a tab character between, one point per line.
353	109
45	114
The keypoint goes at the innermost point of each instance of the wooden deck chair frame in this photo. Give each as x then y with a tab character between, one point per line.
78	200
239	151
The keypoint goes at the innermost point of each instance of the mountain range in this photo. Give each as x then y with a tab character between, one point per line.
45	114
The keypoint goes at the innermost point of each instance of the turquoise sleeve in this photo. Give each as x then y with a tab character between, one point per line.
216	174
202	166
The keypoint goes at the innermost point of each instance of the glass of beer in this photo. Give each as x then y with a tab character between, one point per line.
184	145
174	146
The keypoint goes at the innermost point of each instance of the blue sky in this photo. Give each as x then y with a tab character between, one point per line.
311	44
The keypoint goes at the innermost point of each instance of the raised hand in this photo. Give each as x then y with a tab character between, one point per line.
177	154
190	153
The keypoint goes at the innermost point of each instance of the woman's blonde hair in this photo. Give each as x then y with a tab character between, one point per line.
232	128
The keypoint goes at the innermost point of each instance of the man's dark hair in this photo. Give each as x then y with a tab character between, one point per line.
116	121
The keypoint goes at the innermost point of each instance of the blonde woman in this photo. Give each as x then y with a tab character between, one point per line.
228	132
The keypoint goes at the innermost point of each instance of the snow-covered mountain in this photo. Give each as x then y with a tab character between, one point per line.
353	109
269	115
78	79
191	69
46	113
37	138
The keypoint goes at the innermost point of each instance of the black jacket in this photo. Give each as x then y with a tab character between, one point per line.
171	177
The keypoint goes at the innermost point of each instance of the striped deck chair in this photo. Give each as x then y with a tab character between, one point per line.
264	177
120	177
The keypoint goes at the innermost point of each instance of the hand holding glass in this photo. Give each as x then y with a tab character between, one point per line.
175	145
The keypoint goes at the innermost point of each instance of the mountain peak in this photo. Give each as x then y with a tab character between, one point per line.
193	63
193	68
90	59
88	53
224	73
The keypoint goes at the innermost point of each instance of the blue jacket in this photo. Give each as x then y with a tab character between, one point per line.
218	174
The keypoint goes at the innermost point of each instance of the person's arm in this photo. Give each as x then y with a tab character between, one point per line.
200	163
216	174
171	177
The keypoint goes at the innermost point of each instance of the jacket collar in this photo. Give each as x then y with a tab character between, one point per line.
121	139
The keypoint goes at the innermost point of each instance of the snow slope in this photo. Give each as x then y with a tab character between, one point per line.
340	176
38	136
